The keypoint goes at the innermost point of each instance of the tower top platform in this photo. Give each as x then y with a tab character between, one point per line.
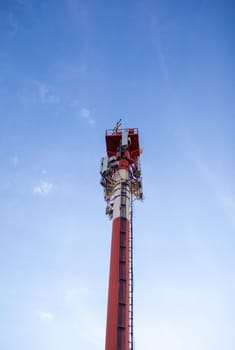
113	140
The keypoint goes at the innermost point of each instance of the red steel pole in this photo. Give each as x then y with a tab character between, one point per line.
117	331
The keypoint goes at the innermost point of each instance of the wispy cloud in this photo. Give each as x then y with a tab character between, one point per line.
86	114
224	193
220	187
13	23
46	315
25	3
44	93
78	300
43	188
180	311
72	293
71	305
154	24
15	160
229	206
75	103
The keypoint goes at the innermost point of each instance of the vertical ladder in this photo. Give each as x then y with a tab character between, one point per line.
131	282
123	274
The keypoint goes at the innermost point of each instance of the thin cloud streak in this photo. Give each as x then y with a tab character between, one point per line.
44	94
224	193
154	28
77	299
46	315
15	160
13	23
85	113
43	188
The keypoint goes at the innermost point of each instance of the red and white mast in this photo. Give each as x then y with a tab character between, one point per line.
121	179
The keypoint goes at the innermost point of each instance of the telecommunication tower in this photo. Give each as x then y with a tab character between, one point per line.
121	178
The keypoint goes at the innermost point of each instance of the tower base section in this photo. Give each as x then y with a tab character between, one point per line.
117	331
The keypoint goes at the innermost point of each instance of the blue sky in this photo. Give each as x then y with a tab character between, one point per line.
69	69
